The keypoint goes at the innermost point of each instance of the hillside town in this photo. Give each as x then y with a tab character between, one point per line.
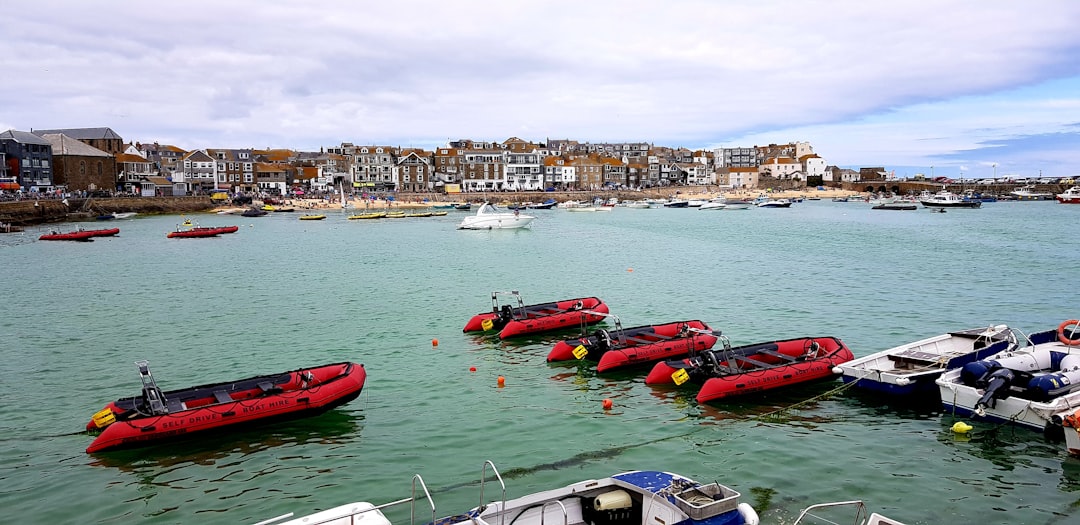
100	160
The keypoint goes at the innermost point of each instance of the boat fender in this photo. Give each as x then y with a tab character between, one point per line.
1045	387
749	515
1074	332
997	387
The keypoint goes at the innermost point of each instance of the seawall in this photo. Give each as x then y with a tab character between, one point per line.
30	211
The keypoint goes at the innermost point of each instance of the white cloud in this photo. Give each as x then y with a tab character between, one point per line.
867	83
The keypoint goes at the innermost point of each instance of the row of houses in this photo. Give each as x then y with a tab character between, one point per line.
100	159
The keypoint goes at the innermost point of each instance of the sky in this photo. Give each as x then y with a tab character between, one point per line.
945	88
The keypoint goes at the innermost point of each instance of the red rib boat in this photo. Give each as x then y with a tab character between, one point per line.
515	318
638	345
156	416
202	232
754	368
79	235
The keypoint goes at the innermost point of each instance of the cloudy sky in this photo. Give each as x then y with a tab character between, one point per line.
976	88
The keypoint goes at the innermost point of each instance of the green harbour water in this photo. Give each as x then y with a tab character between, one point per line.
283	294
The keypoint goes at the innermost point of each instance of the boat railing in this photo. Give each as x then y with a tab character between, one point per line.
519	307
566	517
352	517
586	314
809	512
483	477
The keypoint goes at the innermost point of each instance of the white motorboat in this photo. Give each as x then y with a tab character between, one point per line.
1026	386
718	203
948	199
911	368
630	498
489	217
774	203
1070	196
1029	193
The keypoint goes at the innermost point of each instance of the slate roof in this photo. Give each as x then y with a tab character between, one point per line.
23	137
82	133
65	145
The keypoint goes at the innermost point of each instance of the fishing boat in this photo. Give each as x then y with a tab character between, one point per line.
514	318
489	217
546	205
1069	196
625	347
312	217
155	416
912	368
640	497
742	370
1025	386
948	199
1029	193
201	231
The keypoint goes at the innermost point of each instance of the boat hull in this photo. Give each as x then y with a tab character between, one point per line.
636	346
541	317
819	367
912	368
222	406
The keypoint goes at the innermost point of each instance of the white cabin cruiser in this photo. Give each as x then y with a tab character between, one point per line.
489	217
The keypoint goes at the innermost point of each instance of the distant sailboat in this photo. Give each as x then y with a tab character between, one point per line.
341	190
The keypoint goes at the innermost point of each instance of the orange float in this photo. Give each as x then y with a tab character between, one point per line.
1061	332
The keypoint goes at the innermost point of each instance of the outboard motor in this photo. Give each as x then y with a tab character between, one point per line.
603	340
997	384
152	395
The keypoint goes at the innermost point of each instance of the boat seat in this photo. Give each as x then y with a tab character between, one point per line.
268	388
222	396
915	356
640	341
175	405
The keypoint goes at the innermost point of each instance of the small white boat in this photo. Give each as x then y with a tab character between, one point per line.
911	368
641	205
1026	387
1070	196
948	199
695	203
488	217
125	215
774	203
714	204
630	498
1029	193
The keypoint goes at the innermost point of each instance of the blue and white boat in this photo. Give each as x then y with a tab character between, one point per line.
630	498
1026	386
912	368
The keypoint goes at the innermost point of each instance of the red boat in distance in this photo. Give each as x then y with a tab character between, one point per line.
624	347
202	231
515	318
79	235
156	416
730	372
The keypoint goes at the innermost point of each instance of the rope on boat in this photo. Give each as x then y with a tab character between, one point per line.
783	414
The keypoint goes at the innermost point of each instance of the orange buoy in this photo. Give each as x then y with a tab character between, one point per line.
502	381
434	342
607	404
472	368
629	269
1061	332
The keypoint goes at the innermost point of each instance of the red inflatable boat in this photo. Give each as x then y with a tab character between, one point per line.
202	232
754	368
79	235
515	318
156	416
634	346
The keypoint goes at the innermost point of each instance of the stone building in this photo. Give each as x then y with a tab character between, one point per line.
79	166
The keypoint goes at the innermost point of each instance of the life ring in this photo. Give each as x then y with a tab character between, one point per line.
1061	332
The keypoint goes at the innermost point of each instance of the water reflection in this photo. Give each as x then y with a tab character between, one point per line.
335	427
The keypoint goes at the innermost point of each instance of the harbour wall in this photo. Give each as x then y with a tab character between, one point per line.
31	211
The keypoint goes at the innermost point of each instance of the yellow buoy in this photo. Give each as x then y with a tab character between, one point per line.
961	428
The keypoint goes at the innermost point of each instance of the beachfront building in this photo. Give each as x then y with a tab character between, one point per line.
322	171
447	165
482	169
414	170
589	170
736	157
29	160
524	171
615	172
166	158
198	172
741	177
78	166
373	168
782	168
132	169
235	169
272	178
559	174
